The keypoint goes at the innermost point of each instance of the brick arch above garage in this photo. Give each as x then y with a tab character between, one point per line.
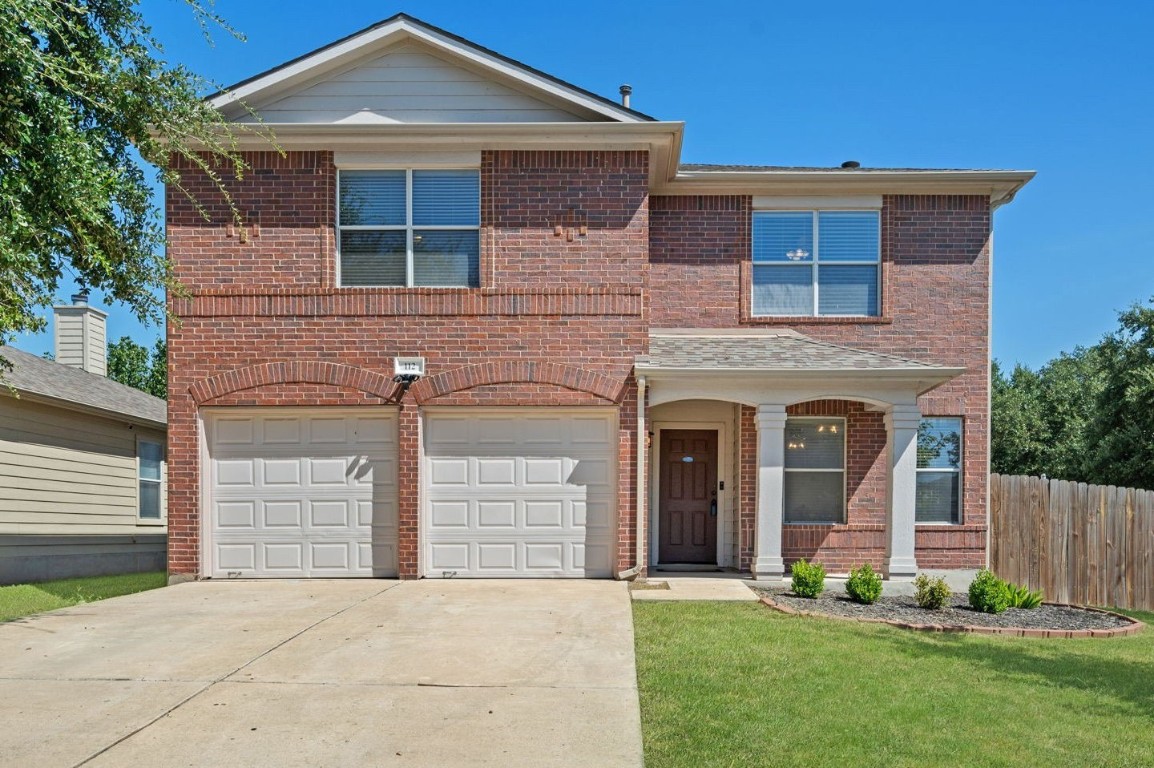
281	382
519	378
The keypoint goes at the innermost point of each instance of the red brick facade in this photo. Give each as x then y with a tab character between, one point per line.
577	263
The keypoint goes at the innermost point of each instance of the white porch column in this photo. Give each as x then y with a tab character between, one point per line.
770	486
902	427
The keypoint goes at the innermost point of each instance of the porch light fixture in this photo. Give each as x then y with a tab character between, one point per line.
797	255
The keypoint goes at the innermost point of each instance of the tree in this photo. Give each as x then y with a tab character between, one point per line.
86	102
1122	431
131	364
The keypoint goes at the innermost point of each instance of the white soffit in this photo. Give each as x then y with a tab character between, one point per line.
507	79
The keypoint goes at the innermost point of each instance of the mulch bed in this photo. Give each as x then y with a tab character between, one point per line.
1047	620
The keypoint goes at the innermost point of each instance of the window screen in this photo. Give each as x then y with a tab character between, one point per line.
814	470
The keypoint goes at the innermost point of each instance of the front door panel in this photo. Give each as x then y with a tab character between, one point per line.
688	503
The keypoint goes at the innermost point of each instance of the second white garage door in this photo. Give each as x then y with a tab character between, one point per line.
519	492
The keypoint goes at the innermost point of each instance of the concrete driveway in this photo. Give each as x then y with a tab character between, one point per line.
327	673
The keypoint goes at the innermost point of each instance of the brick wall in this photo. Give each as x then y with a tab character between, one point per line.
273	299
935	308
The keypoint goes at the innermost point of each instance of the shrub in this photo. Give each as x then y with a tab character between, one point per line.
863	585
932	594
1022	597
808	579
988	593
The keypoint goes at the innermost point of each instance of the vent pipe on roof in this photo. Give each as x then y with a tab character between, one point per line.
80	336
626	91
851	164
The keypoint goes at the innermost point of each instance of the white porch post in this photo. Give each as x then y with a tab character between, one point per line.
902	427
770	485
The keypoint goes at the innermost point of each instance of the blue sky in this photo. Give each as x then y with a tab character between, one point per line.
1061	88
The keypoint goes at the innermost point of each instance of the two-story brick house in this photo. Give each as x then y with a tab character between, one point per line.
628	362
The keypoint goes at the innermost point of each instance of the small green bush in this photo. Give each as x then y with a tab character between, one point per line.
932	594
1022	597
808	579
988	593
863	585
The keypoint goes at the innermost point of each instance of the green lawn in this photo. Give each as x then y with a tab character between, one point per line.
26	599
736	684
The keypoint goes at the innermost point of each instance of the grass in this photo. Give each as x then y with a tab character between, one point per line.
736	684
26	599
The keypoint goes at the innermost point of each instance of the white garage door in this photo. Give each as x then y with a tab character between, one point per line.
302	493
519	493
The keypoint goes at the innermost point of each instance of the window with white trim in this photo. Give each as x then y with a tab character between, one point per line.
939	492
412	227
816	263
814	489
150	475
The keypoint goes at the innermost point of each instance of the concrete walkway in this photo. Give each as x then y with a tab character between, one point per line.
327	673
695	586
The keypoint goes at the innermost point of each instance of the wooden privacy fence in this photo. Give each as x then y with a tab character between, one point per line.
1079	543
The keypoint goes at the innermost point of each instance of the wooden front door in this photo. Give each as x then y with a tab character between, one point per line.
688	505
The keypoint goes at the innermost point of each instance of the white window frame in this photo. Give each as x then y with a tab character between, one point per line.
844	459
815	261
957	470
407	227
162	511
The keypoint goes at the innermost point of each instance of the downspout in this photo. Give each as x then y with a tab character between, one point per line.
639	501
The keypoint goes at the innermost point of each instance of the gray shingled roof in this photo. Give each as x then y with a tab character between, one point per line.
46	378
764	351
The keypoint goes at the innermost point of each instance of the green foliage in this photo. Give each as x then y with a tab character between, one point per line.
1083	416
808	578
130	363
988	593
863	585
932	594
86	103
1022	597
26	599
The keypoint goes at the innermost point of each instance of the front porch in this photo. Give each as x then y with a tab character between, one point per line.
766	501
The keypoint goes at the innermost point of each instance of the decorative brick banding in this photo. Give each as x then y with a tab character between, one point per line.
1133	627
293	372
518	371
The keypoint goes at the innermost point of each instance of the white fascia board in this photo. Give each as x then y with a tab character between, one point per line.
660	138
1001	186
348	52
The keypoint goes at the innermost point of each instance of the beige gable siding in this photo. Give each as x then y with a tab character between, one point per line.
410	85
63	472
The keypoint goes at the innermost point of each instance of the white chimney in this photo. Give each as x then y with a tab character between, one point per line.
80	336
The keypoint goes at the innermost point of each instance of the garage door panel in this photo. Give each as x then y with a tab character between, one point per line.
286	506
533	497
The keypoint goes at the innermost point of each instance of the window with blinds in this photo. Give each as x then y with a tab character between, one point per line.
416	227
939	492
816	263
814	470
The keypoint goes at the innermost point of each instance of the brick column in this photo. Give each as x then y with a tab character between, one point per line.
408	492
770	491
902	423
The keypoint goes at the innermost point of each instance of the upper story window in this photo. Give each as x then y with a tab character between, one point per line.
409	227
816	263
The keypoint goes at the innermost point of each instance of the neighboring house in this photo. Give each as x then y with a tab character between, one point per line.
629	363
81	461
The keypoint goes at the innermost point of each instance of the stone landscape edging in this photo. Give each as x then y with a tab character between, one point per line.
1133	627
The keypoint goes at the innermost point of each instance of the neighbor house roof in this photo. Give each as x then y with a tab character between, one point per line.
46	380
756	350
